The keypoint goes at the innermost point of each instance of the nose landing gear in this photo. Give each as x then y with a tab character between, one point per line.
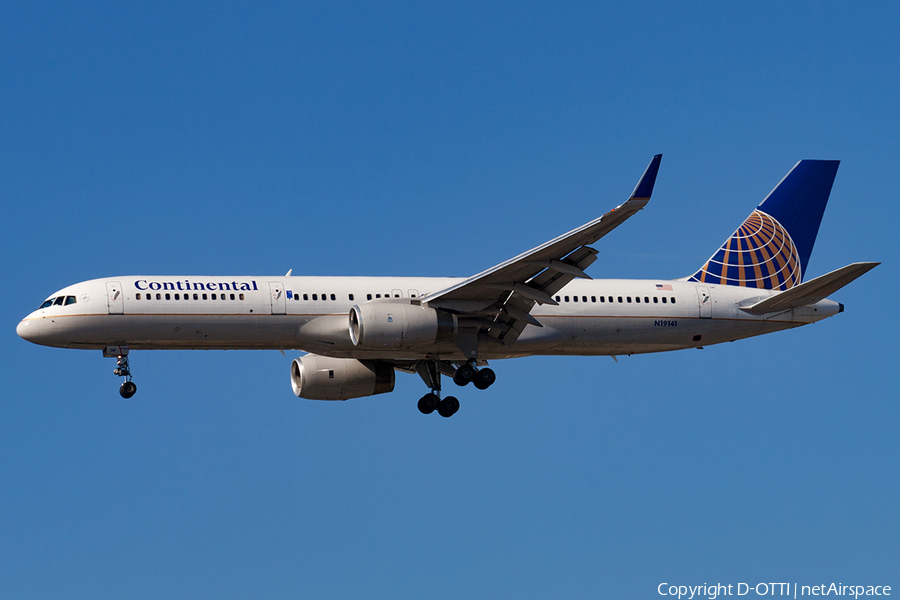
128	387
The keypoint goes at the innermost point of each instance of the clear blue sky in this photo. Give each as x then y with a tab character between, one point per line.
427	139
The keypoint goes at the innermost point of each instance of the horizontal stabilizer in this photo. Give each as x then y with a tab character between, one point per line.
811	291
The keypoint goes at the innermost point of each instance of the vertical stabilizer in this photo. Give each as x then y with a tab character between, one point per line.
771	248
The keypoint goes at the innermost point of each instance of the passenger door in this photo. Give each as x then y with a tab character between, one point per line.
705	301
276	295
114	298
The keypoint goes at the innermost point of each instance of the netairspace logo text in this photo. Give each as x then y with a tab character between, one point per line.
713	591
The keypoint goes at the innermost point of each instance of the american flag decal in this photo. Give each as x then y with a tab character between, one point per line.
663	287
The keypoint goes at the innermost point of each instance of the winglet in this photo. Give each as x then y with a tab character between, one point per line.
644	188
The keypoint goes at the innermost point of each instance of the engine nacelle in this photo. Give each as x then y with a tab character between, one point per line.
390	325
317	377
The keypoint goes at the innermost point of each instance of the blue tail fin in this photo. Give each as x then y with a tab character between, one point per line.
771	248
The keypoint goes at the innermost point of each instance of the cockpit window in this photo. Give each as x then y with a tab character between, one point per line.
58	301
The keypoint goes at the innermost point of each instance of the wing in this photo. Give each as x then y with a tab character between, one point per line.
497	302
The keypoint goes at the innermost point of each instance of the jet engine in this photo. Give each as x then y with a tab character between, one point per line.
389	325
317	377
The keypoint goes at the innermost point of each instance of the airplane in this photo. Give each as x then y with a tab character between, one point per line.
357	332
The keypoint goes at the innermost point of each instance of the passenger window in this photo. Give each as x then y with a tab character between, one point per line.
557	298
628	298
647	299
673	299
620	299
351	297
177	296
593	298
158	297
306	296
137	296
584	298
574	298
655	300
378	295
315	296
232	296
195	297
566	298
241	296
637	299
368	296
213	296
168	297
332	297
611	299
204	296
602	298
664	299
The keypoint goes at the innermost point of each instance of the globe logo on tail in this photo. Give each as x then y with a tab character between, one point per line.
760	254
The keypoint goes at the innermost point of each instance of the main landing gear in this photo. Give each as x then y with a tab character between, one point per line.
482	378
431	402
128	387
430	372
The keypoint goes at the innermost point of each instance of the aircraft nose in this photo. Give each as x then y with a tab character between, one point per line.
29	329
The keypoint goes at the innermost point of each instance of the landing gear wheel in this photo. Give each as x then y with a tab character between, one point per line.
448	406
128	387
464	375
484	378
428	403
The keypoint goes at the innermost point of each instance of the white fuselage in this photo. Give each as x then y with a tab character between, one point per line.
594	317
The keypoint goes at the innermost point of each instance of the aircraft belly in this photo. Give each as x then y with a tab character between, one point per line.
636	335
605	335
176	331
327	335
